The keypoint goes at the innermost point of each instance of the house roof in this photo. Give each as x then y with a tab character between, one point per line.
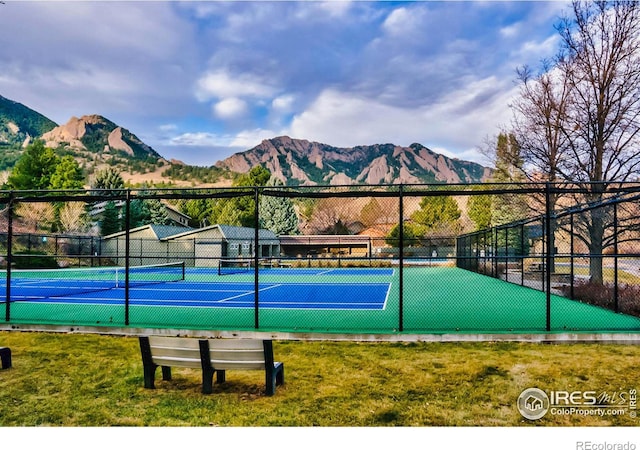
167	232
161	231
246	233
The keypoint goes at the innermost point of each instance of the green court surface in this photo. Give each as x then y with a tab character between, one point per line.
436	300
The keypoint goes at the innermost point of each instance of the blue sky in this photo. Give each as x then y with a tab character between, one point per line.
201	80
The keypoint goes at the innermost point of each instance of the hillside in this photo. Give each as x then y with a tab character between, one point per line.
18	126
96	142
300	162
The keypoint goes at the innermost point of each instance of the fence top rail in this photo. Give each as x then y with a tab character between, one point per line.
321	191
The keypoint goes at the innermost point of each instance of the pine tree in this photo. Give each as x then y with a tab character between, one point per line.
67	174
158	214
110	222
34	168
108	178
277	213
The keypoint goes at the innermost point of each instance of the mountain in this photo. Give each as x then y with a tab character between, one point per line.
95	134
301	162
96	142
18	126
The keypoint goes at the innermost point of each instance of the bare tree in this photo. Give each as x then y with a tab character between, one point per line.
601	61
36	215
579	122
73	217
540	116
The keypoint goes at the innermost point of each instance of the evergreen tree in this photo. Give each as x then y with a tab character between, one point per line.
110	222
108	178
67	174
198	209
479	209
138	213
34	168
240	210
439	214
277	213
412	235
508	208
158	214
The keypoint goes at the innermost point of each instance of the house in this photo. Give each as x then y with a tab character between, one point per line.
200	247
176	217
303	246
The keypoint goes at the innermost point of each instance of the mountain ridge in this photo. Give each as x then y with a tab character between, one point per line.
303	162
95	142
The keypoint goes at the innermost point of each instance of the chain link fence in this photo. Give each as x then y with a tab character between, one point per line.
490	258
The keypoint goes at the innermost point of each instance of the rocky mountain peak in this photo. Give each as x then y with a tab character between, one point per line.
298	161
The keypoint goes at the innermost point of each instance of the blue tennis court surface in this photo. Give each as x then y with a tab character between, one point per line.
302	271
362	296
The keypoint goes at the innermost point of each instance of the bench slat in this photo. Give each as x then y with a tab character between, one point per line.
188	353
237	365
226	355
236	344
173	342
177	362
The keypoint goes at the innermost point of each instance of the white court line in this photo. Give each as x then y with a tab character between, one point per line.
325	272
247	293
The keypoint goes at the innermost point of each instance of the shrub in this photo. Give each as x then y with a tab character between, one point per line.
603	295
34	260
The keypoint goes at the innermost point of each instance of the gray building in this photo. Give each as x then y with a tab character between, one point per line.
199	247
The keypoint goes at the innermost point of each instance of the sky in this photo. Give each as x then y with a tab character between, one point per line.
201	80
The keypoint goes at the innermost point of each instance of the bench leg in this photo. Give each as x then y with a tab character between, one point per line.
149	376
149	368
5	357
274	378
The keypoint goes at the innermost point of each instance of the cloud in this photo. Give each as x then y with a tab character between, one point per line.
404	21
229	74
197	139
341	119
230	108
222	84
283	103
250	138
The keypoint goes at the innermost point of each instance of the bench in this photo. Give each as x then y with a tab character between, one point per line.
212	356
220	355
5	357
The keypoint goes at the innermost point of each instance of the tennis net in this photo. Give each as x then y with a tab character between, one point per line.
46	283
233	266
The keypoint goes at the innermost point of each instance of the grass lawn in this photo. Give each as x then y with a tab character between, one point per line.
76	380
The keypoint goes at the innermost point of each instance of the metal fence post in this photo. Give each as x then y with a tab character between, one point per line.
127	249
616	300
9	255
256	236
401	260
522	253
572	259
549	250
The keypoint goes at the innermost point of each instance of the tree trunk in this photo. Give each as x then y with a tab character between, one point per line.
596	246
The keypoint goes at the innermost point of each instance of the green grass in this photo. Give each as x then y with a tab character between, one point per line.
78	380
608	274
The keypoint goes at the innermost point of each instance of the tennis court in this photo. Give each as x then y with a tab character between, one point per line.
329	300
